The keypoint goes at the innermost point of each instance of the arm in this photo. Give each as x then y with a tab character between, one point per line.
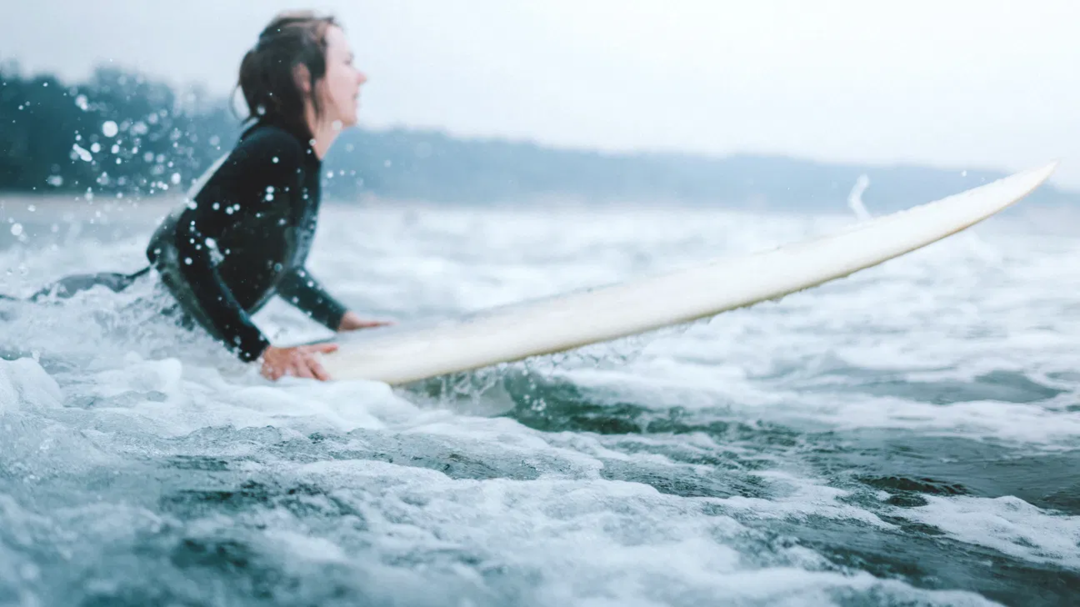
202	293
234	195
209	299
302	290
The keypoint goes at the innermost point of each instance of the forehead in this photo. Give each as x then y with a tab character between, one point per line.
336	41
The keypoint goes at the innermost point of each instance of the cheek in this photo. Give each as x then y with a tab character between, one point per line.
348	86
342	89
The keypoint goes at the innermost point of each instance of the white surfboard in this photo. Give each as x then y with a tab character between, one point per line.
402	354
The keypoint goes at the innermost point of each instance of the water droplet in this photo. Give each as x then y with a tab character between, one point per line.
16	229
82	153
176	178
187	260
110	128
82	103
95	148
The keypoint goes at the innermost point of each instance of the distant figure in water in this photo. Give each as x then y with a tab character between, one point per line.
245	234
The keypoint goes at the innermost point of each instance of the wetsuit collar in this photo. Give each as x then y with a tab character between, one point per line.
299	132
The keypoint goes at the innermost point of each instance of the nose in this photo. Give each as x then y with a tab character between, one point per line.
361	77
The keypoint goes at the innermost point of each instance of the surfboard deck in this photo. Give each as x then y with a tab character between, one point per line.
404	354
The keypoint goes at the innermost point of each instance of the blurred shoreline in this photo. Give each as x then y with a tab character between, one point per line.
37	208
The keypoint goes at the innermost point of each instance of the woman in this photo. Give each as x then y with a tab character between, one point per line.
246	232
245	235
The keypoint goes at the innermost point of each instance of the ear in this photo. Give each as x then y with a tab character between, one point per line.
302	77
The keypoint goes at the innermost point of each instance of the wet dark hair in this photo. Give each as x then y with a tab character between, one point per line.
266	73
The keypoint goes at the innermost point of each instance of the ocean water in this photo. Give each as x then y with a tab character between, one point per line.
906	436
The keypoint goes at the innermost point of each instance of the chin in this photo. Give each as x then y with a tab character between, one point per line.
348	121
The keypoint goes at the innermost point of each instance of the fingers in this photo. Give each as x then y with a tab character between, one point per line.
302	369
319	372
270	372
309	368
356	324
316	367
302	362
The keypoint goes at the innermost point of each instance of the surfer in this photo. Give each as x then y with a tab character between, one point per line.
246	232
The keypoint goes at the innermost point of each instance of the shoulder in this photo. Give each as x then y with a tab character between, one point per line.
271	144
265	156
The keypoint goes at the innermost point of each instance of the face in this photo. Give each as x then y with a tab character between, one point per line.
340	89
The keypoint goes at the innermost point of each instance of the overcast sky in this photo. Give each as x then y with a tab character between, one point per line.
954	83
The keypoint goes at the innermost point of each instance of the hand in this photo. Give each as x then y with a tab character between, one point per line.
352	322
299	361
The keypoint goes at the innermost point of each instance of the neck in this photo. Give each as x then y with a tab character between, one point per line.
322	131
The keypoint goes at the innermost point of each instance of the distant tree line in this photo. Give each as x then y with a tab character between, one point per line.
124	133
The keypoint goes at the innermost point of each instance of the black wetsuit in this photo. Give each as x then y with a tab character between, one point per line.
242	238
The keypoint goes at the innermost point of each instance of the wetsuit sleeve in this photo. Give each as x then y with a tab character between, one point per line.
215	303
300	288
221	206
